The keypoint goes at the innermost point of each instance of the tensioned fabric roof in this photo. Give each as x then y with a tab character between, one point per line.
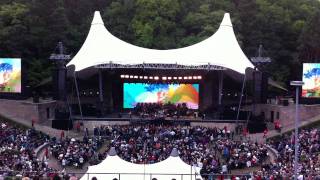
172	167
219	50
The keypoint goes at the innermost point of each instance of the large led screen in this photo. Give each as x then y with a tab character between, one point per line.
161	93
10	75
311	79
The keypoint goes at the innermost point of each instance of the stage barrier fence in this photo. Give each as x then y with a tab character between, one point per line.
124	176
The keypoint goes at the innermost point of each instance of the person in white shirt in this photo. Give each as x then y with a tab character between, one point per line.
224	169
248	163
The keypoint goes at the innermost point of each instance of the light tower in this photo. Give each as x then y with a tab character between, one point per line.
297	84
59	72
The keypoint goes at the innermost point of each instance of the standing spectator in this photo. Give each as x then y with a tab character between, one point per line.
245	132
224	169
32	122
277	125
64	162
62	135
46	153
81	161
87	132
78	126
265	132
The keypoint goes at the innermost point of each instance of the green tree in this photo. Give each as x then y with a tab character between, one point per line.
13	28
310	40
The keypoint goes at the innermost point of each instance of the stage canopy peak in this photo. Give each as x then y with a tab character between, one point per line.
220	51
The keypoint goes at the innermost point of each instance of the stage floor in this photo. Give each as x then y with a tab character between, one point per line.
125	117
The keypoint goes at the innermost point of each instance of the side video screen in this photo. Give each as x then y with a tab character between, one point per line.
10	75
311	79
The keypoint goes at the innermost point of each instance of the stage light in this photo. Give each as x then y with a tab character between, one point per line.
175	78
164	78
126	76
150	77
199	77
190	77
145	77
136	77
122	76
185	77
195	77
97	92
131	76
156	78
140	77
179	77
169	78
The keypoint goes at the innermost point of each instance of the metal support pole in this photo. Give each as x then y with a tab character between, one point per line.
78	95
100	86
240	101
220	88
296	139
297	84
101	106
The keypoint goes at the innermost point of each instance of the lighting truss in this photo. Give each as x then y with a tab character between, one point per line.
160	66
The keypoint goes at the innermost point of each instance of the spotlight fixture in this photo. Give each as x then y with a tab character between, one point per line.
126	76
156	78
164	78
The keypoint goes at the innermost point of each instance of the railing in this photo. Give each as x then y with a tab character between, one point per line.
133	176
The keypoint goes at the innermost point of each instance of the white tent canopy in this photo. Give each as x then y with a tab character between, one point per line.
101	47
165	170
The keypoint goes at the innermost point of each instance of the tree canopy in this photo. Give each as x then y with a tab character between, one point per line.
288	29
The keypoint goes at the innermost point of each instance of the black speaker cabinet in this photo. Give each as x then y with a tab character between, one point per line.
63	124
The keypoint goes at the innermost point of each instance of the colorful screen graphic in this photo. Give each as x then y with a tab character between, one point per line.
311	79
10	75
160	93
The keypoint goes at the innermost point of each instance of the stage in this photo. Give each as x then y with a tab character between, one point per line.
148	120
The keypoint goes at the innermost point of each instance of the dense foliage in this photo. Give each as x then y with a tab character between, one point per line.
288	29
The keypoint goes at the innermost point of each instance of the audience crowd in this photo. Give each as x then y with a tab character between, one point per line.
308	155
17	151
72	152
211	149
214	150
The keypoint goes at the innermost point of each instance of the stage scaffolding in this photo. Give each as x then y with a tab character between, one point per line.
161	66
208	67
